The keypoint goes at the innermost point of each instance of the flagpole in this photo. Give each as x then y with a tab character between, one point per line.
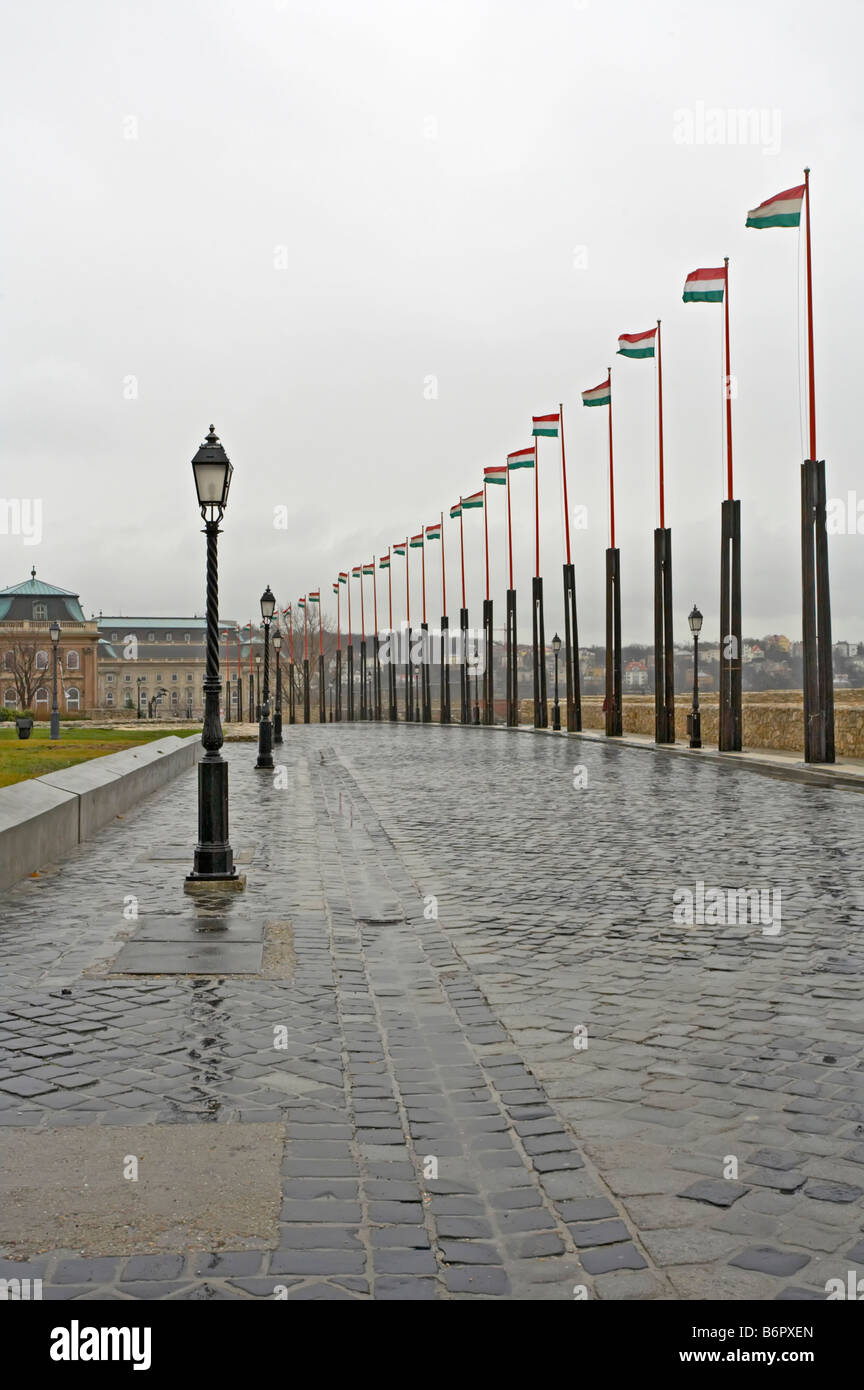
564	478
462	548
444	694
363	709
391	668
611	470
486	533
306	691
376	643
728	388
409	675
423	569
350	674
443	570
338	714
465	711
536	514
810	365
660	425
571	637
509	528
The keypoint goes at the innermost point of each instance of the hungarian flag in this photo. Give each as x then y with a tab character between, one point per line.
369	569
301	603
356	571
783	210
456	512
315	596
384	562
598	395
286	610
399	548
637	344
705	286
522	458
545	425
417	542
343	576
336	587
496	474
433	532
475	500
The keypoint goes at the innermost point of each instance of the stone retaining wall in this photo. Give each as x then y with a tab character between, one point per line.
772	718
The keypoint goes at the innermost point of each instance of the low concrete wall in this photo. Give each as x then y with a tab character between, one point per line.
42	819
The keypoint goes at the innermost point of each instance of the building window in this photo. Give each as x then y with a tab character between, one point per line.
174	695
73	698
169	637
158	675
151	636
142	695
114	637
110	679
189	676
9	661
10	699
187	636
73	661
127	678
109	698
40	612
42	696
174	676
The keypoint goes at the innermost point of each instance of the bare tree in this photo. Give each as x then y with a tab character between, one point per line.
19	662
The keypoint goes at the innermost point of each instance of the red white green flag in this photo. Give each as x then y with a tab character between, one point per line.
496	474
301	603
343	576
315	596
637	344
433	532
356	571
545	425
369	569
783	210
522	458
417	541
336	587
705	286
384	562
456	512
598	395
399	548
475	500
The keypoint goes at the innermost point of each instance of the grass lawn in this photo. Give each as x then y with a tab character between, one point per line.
31	757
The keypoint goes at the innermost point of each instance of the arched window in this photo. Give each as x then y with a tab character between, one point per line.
10	699
42	695
9	661
73	697
42	661
73	661
174	695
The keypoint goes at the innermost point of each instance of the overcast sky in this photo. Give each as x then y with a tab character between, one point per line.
368	240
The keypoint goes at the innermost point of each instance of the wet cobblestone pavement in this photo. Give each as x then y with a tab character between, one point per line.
486	981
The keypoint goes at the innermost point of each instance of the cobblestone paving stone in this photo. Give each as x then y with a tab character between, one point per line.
416	1039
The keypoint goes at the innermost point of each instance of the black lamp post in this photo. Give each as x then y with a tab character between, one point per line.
556	713
331	702
141	680
55	709
694	722
214	858
277	713
265	728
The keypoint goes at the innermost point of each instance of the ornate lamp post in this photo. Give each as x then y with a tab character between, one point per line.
55	710
277	714
214	858
694	720
265	728
556	714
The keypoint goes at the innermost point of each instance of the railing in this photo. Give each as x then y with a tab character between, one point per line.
43	624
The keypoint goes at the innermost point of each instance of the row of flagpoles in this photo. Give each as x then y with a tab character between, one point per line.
705	285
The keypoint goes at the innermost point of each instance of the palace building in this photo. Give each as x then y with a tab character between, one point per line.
27	612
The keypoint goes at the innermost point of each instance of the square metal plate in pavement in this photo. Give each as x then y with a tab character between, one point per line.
193	929
189	958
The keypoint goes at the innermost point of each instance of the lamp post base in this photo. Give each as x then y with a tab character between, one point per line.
55	725
556	718
214	858
265	746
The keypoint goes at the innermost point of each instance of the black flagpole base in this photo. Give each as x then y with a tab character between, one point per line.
571	653
350	686
488	676
512	654
816	611
730	628
338	714
614	712
664	652
541	707
444	710
425	676
464	680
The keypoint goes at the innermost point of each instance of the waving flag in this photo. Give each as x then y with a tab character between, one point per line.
498	474
315	596
433	532
475	500
598	395
343	576
369	569
705	286
417	541
456	512
783	210
522	458
336	587
384	562
399	548
356	571
637	344
545	425
301	603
